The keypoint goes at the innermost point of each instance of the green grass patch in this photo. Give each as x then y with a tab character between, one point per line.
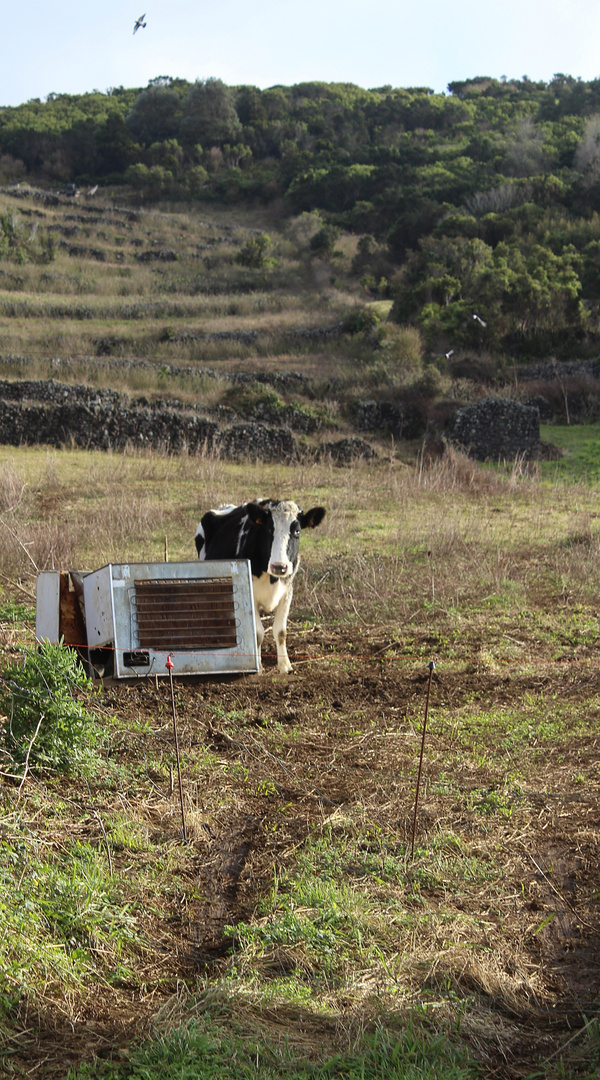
541	721
581	446
326	923
200	1052
64	923
16	613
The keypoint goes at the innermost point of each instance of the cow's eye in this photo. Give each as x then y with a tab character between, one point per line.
295	530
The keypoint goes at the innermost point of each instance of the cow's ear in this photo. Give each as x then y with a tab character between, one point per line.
257	514
312	518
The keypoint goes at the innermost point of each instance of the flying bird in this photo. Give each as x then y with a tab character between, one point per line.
480	320
140	24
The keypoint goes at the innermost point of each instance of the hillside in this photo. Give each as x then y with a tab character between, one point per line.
203	314
482	201
179	325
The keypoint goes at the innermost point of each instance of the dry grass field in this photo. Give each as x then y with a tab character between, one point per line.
294	935
168	302
137	283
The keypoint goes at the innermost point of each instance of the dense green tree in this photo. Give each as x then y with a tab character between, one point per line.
249	106
114	148
168	153
209	115
324	240
467	292
155	115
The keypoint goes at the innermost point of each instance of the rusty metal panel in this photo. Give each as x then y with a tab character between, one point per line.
59	607
72	622
191	614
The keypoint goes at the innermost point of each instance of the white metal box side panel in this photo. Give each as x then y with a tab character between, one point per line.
111	619
98	603
47	606
240	659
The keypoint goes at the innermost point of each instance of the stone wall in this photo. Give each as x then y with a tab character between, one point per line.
256	442
401	418
27	391
496	429
347	451
57	414
279	379
100	427
563	369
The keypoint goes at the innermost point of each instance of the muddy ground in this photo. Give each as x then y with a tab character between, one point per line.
340	738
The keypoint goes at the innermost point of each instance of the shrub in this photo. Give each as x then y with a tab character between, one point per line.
12	244
247	397
196	177
361	320
401	345
324	241
254	253
41	694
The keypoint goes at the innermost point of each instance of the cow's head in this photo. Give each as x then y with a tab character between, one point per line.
281	524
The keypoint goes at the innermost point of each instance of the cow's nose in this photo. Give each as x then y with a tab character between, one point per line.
278	569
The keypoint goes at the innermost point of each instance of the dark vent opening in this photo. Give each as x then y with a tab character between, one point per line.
186	614
138	658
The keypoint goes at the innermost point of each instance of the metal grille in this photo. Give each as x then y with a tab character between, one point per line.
186	613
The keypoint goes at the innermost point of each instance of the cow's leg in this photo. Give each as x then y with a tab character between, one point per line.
260	633
280	631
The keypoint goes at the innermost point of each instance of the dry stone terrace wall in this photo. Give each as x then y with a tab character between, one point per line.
565	369
57	414
103	426
283	379
402	420
52	392
496	429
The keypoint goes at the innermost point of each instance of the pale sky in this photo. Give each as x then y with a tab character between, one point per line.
74	46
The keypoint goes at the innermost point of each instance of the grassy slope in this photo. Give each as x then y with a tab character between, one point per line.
97	305
97	298
335	933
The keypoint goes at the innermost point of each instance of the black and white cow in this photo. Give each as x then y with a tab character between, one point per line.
266	532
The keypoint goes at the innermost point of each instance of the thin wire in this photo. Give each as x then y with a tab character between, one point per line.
304	658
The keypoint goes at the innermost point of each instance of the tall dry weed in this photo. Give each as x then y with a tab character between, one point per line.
206	469
53	545
28	548
127	522
453	471
361	586
13	488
